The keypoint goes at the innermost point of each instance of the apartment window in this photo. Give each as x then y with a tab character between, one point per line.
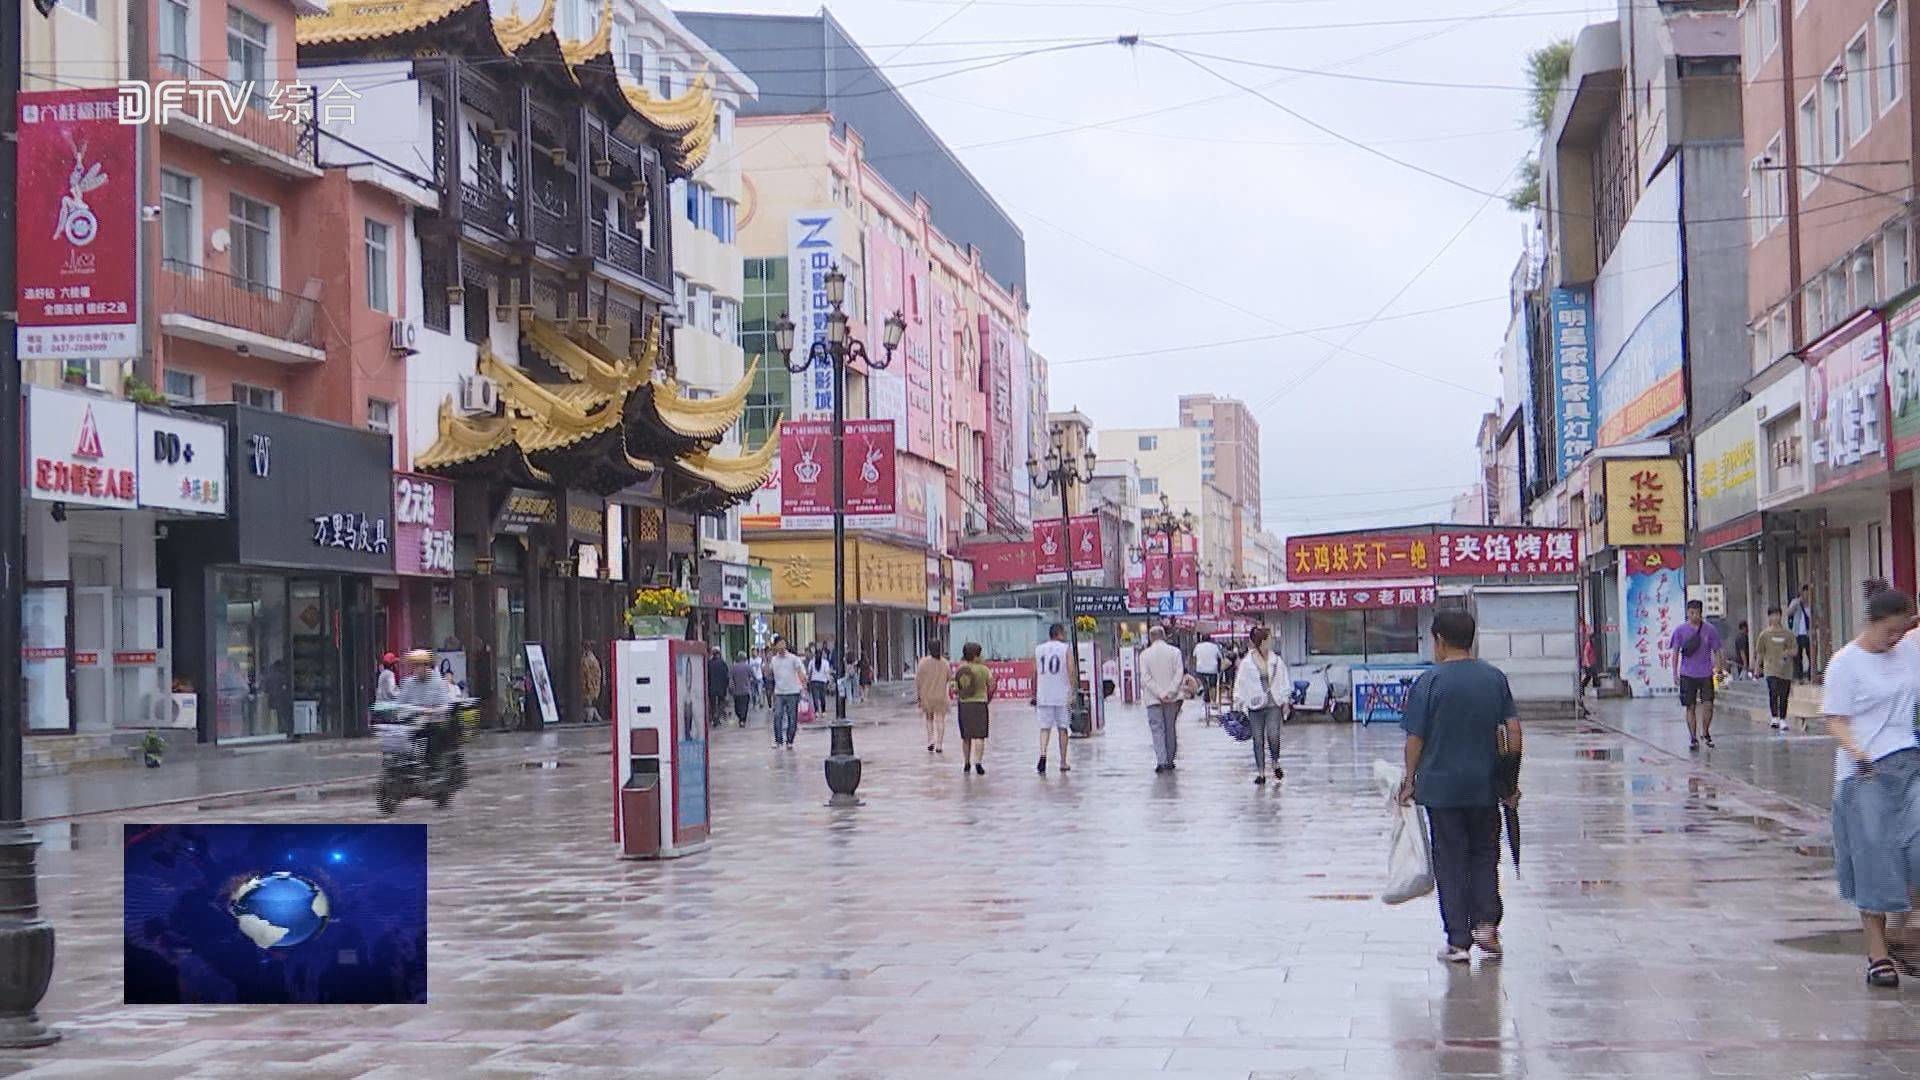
246	51
1782	334
179	237
176	30
1813	304
1833	116
1759	215
380	416
1895	263
252	256
1149	485
476	315
379	266
856	288
1865	287
1762	344
683	299
1775	182
1886	30
726	320
256	397
1149	442
669	74
701	310
723	123
1859	89
1769	27
89	8
637	67
181	387
1838	306
1809	141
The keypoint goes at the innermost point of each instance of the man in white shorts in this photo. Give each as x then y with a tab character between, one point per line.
1053	682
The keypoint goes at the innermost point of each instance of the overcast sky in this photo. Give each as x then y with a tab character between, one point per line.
1222	217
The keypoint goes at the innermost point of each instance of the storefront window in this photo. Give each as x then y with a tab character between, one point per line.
1363	633
316	657
43	658
252	691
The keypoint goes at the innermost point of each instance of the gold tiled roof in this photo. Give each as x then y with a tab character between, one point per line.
703	418
464	439
371	20
600	44
586	360
690	115
515	32
735	475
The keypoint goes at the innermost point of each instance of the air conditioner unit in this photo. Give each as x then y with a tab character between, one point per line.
403	337
479	396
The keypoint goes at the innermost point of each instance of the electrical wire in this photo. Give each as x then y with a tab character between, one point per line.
1170	349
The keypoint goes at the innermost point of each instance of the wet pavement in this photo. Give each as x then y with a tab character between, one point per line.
1796	764
1106	923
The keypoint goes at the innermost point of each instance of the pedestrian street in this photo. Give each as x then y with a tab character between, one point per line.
1108	922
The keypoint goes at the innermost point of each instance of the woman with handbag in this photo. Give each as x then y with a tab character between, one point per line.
1260	671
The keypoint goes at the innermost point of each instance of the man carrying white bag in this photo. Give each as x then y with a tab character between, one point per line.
1409	862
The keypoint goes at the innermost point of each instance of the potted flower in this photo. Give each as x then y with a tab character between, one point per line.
660	611
153	747
1085	624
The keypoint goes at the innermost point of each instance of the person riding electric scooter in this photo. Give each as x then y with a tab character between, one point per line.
420	743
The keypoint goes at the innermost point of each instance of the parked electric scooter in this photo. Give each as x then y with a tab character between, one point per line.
420	754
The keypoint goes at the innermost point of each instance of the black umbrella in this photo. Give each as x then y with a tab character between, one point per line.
1506	779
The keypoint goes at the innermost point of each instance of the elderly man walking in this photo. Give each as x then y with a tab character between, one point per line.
1162	678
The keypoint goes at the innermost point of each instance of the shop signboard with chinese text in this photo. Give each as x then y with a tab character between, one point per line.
1903	383
1100	603
1004	415
946	328
1571	312
183	463
813	249
82	450
1359	556
885	268
889	575
759	588
422	526
1646	502
1001	563
526	510
1350	596
1726	463
1653	597
1643	391
724	586
1846	404
1471	551
289	511
79	221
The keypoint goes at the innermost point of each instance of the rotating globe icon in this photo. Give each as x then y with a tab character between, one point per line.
280	910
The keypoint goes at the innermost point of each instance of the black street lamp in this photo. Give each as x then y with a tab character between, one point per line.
1060	472
1167	525
26	940
838	349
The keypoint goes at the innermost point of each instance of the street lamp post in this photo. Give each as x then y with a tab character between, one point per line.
838	349
1060	471
1167	525
26	940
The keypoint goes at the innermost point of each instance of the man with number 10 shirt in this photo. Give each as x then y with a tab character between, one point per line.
1053	683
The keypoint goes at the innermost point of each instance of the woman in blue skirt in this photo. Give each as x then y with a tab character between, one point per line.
1873	688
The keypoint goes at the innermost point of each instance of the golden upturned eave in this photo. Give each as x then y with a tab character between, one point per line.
677	115
514	32
371	20
703	418
464	439
586	360
734	474
600	44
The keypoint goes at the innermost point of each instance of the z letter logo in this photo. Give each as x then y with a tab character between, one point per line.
814	227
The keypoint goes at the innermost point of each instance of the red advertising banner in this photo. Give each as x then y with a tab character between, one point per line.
1467	552
806	488
1008	563
1359	556
422	526
1137	600
872	475
1051	550
79	220
1186	570
1356	596
1012	679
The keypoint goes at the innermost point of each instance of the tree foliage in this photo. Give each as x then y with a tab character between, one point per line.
1546	69
1526	193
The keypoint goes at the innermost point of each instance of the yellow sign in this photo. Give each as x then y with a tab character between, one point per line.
1646	503
876	573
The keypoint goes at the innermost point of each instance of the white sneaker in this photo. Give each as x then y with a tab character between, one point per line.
1455	955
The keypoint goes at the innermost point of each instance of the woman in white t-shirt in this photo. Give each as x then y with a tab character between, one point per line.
1873	688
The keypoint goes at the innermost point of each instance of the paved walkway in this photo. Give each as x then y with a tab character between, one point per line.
1106	923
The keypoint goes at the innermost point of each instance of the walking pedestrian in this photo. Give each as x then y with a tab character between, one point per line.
766	673
718	676
1800	625
742	682
1161	675
1054	679
1696	652
930	681
1261	670
820	678
974	685
1873	687
1740	663
789	676
387	684
1459	719
1206	665
1776	650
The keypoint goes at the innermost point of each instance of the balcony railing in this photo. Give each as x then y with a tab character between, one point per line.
629	254
555	229
242	304
489	207
286	123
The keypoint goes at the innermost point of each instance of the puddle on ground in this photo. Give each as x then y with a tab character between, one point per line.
1605	753
546	764
1826	942
1341	896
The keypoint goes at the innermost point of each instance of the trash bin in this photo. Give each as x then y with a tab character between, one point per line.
640	796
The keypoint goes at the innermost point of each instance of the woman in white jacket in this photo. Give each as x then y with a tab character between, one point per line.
1262	689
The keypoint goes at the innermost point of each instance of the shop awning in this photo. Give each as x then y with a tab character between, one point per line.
1345	595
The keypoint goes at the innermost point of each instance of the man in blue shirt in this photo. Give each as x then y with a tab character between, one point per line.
1460	719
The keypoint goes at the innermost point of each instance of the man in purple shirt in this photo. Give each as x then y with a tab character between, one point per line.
1696	656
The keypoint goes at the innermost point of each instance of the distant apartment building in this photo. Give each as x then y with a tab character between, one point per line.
1229	457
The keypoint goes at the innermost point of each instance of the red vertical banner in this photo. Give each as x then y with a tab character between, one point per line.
79	220
1186	570
872	476
806	487
1084	534
1049	547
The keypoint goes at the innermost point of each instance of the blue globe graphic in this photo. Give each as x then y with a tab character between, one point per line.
280	910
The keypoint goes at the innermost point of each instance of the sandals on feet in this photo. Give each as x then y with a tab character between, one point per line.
1883	974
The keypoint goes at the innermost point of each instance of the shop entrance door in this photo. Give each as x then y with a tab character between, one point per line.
317	657
252	692
93	707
